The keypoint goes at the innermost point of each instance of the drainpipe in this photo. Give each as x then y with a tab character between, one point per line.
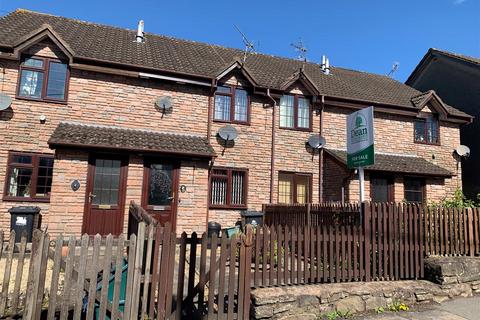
320	169
209	115
209	133
272	159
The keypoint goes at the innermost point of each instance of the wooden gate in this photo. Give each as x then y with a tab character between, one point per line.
192	277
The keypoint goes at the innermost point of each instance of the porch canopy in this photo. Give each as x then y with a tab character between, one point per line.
77	135
397	163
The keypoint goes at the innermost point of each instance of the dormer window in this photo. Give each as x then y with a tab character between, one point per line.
427	130
43	79
295	112
232	104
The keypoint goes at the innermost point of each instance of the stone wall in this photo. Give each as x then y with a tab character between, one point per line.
450	277
314	301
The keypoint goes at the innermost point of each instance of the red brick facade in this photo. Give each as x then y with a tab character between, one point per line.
114	100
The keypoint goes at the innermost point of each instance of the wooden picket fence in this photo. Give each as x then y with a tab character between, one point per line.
312	214
193	277
385	246
452	232
447	231
156	274
65	277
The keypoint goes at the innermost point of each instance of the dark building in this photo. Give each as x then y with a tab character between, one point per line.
456	79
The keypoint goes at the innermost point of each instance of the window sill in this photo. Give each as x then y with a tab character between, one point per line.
228	207
20	199
427	143
232	122
297	129
63	102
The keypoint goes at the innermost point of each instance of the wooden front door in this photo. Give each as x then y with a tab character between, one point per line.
160	185
105	198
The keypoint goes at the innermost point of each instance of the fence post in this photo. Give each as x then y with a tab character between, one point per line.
245	273
137	272
366	209
470	223
309	214
33	282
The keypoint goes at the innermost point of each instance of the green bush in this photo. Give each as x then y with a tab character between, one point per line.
458	200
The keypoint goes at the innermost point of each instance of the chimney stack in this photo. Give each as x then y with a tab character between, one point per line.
140	32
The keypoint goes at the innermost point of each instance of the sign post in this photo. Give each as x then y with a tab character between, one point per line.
360	144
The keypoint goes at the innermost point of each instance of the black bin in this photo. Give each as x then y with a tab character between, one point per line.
23	219
214	227
255	218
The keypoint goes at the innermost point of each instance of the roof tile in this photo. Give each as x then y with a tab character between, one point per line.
69	134
397	163
116	45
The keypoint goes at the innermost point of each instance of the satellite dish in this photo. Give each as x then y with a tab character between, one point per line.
316	141
227	133
164	103
5	101
462	150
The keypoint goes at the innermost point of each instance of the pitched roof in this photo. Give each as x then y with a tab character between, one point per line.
432	52
116	46
397	163
77	135
457	56
422	99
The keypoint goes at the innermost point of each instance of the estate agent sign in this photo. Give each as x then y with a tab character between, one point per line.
360	146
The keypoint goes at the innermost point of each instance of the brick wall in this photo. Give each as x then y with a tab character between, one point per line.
401	128
96	98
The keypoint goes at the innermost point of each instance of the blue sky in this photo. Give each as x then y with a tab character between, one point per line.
365	35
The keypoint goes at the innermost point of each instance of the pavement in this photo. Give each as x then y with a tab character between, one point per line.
456	309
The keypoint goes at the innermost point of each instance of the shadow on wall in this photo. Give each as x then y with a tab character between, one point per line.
7	114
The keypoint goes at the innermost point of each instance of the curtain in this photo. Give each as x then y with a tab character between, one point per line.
303	113
222	107
12	184
241	105
286	111
31	83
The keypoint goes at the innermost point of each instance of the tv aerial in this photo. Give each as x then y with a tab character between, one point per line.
394	69
249	46
227	134
316	141
301	49
165	104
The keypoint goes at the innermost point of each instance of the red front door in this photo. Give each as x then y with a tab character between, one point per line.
160	184
105	198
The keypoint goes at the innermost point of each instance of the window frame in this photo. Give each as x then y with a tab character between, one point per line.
45	69
390	186
423	119
423	189
229	170
295	113
35	168
294	186
231	94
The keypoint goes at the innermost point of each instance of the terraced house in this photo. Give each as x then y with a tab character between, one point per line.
101	116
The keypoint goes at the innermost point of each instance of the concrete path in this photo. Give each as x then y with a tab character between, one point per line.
457	309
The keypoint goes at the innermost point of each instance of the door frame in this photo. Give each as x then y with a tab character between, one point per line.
89	185
175	162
